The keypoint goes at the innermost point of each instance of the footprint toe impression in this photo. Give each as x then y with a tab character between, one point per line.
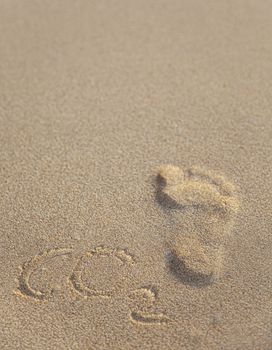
198	188
206	205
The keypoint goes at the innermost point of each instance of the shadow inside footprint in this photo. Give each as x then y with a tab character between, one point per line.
165	201
185	275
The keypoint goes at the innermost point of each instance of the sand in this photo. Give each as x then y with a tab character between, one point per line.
135	175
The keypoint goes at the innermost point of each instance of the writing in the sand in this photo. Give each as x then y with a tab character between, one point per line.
142	300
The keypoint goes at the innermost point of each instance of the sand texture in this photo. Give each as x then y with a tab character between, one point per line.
135	175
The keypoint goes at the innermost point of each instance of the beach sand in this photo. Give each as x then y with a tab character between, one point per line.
135	175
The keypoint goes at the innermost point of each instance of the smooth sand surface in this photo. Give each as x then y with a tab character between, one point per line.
135	174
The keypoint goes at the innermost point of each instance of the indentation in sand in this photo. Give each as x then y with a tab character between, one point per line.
193	262
144	297
197	188
76	277
142	312
32	265
144	318
204	205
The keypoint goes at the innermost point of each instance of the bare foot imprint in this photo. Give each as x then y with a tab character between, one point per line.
201	206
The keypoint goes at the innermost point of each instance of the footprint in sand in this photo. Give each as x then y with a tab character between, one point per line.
201	206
